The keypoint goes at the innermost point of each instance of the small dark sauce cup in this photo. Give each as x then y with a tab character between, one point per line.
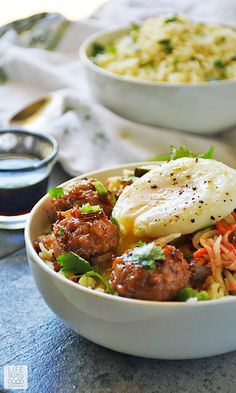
26	161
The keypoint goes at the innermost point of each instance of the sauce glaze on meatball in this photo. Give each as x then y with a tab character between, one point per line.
83	192
131	279
90	235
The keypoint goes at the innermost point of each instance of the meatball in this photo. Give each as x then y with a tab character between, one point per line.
163	282
82	193
92	236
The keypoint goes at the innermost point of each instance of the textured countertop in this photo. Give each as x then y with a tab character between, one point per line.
60	361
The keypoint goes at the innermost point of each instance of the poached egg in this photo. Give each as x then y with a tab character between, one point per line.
180	196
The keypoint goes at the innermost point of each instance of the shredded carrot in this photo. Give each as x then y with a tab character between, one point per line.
72	277
223	227
231	287
200	252
56	266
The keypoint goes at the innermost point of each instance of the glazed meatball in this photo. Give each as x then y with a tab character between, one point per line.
92	236
83	192
161	282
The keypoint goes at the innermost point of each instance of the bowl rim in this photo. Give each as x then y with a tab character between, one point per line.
136	81
135	302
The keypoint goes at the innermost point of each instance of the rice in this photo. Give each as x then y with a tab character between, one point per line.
172	49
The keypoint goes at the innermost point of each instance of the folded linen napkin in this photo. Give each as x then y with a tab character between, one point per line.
43	59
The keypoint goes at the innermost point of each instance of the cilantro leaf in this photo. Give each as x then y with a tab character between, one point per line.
104	280
209	154
113	198
179	152
87	208
171	20
183	151
166	45
56	192
61	231
98	48
140	243
134	26
147	254
188	255
73	263
113	220
219	64
149	264
100	188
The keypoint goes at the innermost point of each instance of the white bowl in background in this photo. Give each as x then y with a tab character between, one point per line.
163	330
204	108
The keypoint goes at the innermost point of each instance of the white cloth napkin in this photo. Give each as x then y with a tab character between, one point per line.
90	136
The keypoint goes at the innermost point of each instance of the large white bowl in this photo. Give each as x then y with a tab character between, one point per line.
164	330
202	108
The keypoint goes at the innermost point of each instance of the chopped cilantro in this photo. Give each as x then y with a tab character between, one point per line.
219	64
149	264
56	192
166	45
61	231
87	208
104	280
182	151
134	26
113	220
98	48
171	20
111	49
73	263
113	198
140	243
188	255
209	154
220	40
146	255
100	188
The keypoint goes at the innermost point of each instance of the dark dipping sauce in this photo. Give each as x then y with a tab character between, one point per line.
21	189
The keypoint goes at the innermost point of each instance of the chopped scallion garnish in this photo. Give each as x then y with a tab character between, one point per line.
56	192
100	188
87	209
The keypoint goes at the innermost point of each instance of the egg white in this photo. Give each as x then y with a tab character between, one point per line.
181	196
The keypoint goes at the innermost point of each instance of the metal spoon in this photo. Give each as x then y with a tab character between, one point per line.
38	112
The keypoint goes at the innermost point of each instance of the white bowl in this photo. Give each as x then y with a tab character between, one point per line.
163	330
202	108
